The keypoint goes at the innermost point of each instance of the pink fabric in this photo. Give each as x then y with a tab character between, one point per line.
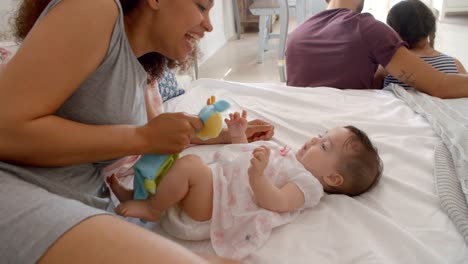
238	225
5	56
121	168
155	96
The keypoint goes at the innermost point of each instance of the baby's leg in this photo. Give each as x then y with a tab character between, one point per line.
189	181
198	203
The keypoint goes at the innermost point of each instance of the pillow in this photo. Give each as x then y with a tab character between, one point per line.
168	86
6	15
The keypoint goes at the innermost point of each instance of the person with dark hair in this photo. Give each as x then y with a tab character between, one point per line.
342	48
416	24
72	101
249	189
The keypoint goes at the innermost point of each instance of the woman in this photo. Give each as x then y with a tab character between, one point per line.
416	24
71	101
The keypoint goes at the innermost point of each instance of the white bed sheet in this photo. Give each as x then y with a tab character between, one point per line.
400	221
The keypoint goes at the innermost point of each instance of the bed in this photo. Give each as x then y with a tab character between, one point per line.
402	220
417	213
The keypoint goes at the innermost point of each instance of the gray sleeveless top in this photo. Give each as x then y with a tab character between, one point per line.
113	94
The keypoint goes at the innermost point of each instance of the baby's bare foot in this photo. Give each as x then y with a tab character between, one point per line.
122	193
138	209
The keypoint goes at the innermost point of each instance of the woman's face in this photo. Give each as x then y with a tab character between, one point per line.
181	24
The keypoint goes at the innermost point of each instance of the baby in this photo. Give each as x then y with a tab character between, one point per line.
248	189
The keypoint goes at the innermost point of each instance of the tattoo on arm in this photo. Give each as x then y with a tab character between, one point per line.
407	77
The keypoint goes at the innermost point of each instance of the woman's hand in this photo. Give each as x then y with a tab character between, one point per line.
169	132
259	130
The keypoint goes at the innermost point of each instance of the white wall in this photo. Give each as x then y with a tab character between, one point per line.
315	6
6	9
222	19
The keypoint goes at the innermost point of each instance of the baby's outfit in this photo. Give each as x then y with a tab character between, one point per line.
238	225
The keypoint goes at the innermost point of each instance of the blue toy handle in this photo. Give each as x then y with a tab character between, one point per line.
221	105
208	110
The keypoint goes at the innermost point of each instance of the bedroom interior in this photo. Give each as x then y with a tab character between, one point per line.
419	211
236	61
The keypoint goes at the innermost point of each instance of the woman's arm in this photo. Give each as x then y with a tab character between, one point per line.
256	130
46	70
223	138
408	68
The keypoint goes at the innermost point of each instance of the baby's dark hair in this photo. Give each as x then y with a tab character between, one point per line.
413	21
361	166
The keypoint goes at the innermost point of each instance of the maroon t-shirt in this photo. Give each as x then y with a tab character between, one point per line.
339	48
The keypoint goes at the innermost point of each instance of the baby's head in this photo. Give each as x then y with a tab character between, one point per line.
343	160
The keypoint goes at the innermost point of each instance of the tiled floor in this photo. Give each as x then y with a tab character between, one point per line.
237	60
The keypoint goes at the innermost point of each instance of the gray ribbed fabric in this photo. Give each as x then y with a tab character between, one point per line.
39	204
449	119
452	199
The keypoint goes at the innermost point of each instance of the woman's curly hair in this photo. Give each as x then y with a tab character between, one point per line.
154	63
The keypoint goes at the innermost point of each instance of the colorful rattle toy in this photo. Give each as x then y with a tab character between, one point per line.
150	169
211	118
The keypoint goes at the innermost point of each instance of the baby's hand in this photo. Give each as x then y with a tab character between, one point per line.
259	161
237	124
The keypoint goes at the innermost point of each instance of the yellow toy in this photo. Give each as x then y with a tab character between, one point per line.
212	118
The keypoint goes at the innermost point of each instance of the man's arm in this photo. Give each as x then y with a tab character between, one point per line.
410	69
379	77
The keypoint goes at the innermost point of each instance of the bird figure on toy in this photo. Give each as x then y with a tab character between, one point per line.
211	118
150	169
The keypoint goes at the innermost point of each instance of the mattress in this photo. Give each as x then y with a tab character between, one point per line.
399	221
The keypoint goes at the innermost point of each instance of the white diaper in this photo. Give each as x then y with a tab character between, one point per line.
178	224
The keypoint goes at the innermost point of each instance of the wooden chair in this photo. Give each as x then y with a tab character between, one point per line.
266	9
237	19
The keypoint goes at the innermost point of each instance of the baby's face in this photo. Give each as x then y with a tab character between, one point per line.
320	155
